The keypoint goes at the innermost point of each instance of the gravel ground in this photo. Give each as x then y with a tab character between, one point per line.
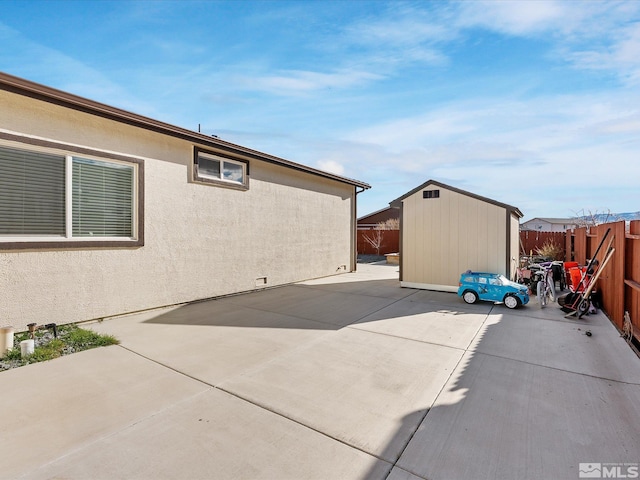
371	258
42	338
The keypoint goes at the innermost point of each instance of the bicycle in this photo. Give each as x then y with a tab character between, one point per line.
545	286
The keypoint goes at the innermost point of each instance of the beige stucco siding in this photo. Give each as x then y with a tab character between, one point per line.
443	237
201	241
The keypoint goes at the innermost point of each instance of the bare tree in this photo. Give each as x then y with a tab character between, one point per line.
588	218
376	236
374	239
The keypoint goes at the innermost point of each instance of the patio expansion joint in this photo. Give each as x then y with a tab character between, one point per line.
255	404
622	382
424	342
304	425
418	424
164	365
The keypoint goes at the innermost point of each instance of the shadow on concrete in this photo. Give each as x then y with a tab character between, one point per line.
323	307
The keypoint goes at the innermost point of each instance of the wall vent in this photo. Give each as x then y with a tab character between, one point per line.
431	194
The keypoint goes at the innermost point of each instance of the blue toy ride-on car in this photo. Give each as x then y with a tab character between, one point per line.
491	287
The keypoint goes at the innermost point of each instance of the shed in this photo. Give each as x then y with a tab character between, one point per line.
445	231
105	212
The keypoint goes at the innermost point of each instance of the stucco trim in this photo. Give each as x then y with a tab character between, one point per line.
82	244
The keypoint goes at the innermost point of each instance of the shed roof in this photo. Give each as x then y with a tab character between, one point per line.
43	93
398	201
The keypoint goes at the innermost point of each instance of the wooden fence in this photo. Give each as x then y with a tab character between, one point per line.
532	240
619	283
389	241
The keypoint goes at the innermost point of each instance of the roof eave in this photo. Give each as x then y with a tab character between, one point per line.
51	95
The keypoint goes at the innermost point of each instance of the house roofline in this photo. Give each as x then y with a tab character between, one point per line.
398	201
37	91
556	221
374	213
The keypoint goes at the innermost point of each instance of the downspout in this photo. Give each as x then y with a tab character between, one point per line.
354	229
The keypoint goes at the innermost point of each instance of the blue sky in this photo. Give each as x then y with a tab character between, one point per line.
535	104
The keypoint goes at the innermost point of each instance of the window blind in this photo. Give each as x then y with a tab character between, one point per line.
102	199
32	197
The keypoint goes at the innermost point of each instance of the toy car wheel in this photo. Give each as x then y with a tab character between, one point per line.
511	301
470	296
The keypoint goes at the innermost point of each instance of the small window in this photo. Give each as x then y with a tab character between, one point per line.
212	168
431	194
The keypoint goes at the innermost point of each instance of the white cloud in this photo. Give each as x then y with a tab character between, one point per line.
620	54
331	166
523	17
295	82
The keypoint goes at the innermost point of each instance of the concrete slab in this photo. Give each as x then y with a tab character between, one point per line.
447	301
371	280
425	322
502	419
56	407
371	288
560	344
214	340
332	378
365	389
333	308
215	436
399	474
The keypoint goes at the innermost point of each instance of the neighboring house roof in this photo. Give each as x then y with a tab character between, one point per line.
554	221
398	201
378	216
51	95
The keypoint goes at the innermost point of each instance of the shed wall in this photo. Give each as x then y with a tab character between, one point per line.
443	237
201	241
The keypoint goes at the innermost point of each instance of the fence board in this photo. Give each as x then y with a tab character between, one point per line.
632	276
619	283
611	283
532	240
390	242
580	245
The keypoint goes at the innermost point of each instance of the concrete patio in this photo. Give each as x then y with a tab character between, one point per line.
347	377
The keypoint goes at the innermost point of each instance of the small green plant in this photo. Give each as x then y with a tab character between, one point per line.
80	339
71	339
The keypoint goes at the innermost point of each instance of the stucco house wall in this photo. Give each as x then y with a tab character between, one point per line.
200	241
445	235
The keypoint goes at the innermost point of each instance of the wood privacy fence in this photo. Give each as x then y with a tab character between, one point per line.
619	283
531	240
389	241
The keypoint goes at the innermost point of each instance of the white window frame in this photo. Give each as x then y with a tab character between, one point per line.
201	177
68	240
